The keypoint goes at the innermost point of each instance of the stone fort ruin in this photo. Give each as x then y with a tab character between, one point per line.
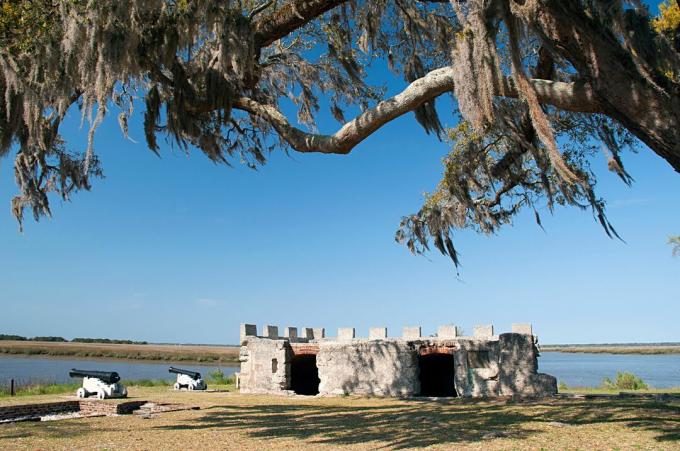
482	365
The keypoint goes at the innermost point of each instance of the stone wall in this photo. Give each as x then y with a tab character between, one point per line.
484	365
265	365
518	364
380	368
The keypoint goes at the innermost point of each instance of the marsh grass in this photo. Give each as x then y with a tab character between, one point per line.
217	377
623	382
166	353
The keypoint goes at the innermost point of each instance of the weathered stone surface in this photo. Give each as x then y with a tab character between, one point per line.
447	331
247	330
290	332
522	328
265	366
377	333
308	333
270	331
379	368
518	365
483	330
319	333
411	332
346	333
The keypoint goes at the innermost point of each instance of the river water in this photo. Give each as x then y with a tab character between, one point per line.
588	370
40	369
576	370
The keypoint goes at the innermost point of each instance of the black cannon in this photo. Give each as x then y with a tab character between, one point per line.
109	377
191	380
191	374
104	384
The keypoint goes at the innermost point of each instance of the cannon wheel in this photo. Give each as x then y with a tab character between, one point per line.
80	393
176	386
101	394
190	387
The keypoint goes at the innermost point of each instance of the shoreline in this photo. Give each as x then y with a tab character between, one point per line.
613	349
4	355
206	355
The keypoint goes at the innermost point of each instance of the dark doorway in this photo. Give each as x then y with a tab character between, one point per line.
304	375
437	375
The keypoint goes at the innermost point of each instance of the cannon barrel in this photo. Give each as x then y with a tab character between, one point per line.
110	377
192	374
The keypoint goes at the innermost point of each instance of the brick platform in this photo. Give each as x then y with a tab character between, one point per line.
87	407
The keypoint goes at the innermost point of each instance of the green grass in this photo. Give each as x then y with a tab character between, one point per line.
614	391
623	382
40	389
46	388
218	377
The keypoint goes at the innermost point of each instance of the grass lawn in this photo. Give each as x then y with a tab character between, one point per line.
229	420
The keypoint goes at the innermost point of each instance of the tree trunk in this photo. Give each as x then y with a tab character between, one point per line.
650	111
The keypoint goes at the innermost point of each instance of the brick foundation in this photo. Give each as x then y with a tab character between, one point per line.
87	407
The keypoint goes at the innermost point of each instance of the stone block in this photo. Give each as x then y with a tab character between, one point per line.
522	328
345	333
377	333
290	332
485	330
412	332
447	331
308	333
271	331
319	333
248	330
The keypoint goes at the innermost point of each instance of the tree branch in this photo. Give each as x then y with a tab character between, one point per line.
289	18
567	96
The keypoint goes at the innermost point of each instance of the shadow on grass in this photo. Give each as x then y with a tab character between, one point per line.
421	424
66	428
390	423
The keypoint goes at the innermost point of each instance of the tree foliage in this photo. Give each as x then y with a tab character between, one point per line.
537	83
675	242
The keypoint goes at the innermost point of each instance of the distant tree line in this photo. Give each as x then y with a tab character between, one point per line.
75	340
108	340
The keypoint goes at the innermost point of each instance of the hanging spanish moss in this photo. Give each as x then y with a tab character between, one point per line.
213	76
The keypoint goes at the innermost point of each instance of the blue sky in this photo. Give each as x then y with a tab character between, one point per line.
178	249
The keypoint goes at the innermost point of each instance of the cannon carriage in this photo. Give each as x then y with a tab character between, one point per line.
103	384
190	380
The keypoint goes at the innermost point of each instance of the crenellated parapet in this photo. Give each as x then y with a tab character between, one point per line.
289	333
309	334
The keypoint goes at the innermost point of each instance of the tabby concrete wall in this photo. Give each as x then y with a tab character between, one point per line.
518	364
265	366
486	365
380	368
